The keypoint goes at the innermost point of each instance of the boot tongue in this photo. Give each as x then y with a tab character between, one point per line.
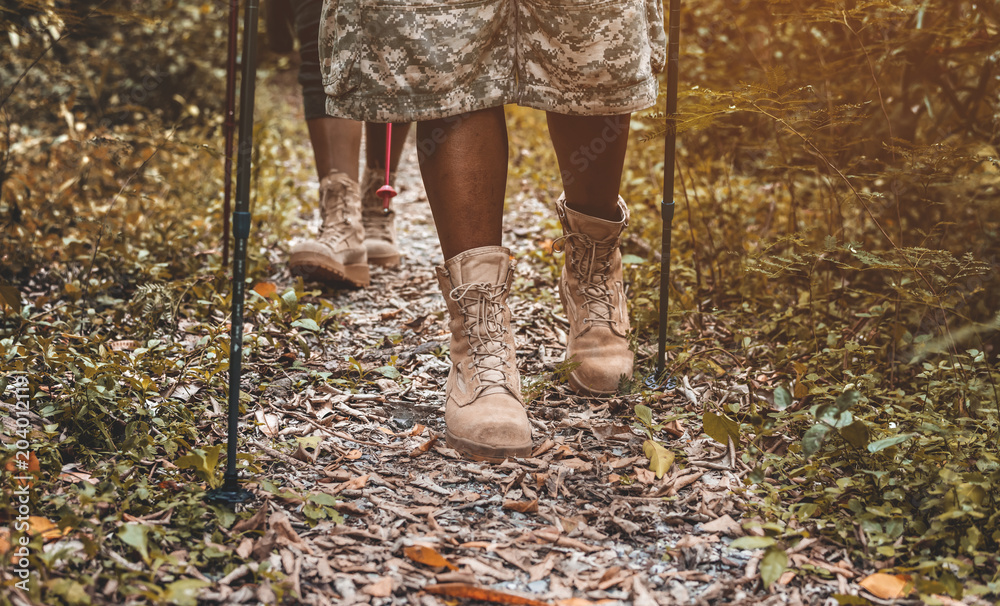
491	268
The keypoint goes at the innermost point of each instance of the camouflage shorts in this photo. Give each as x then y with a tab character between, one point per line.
405	60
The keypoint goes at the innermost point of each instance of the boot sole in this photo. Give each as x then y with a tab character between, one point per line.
482	452
581	389
321	268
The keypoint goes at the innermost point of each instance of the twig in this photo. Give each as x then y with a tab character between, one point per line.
291	460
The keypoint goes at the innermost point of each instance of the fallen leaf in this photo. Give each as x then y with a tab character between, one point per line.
38	525
473	592
724	525
265	289
660	459
603	432
721	428
644	476
382	588
887	586
353	484
543	448
543	569
390	315
577	464
464	496
521	506
254	522
78	476
245	548
268	423
286	535
263	546
307	451
428	556
11	297
611	577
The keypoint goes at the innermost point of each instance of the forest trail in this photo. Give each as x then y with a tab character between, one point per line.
582	519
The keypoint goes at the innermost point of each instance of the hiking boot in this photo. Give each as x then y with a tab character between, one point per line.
337	255
380	228
484	412
593	295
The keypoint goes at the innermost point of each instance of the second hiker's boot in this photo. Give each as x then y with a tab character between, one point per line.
484	412
593	295
337	256
380	228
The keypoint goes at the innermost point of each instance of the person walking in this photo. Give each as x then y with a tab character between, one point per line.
355	231
451	67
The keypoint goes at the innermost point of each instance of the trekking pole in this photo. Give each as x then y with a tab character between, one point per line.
387	192
230	491
230	125
669	156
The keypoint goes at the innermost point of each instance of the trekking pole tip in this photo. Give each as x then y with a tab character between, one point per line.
229	493
387	193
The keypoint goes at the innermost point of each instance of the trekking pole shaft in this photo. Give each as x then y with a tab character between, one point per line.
669	158
241	229
230	126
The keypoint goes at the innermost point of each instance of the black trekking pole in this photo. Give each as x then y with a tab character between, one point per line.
230	491
667	206
230	125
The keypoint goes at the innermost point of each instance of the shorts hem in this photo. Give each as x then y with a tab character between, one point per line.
593	102
487	94
416	108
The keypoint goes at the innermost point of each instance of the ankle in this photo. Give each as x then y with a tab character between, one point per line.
608	211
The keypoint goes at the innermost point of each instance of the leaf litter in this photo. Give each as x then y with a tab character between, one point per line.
596	515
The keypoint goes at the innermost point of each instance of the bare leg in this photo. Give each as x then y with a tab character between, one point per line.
463	161
336	144
591	154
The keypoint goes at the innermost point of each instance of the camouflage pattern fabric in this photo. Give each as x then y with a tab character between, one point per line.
407	60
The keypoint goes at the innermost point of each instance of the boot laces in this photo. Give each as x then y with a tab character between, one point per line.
378	225
590	263
333	203
483	313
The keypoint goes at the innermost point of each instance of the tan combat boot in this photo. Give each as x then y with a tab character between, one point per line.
337	255
592	293
380	228
484	412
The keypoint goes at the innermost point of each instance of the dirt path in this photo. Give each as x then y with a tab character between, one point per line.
582	518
